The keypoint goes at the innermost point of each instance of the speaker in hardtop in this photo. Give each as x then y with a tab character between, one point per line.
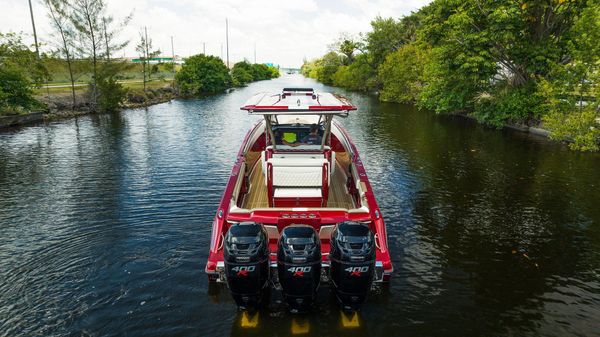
246	256
299	266
352	258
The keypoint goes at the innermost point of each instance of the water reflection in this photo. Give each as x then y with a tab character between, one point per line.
105	224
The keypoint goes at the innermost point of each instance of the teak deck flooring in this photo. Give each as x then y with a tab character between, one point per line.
257	195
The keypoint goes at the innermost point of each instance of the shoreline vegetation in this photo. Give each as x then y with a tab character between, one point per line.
78	74
525	65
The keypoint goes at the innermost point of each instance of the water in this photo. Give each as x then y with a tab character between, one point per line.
105	226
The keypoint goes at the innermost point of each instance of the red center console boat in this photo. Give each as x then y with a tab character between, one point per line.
298	209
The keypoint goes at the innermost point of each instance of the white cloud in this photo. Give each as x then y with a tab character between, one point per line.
284	31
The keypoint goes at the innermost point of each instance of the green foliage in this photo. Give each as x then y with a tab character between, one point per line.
15	54
202	74
20	70
509	105
357	76
326	67
241	73
15	91
569	119
110	93
263	72
401	74
385	38
572	90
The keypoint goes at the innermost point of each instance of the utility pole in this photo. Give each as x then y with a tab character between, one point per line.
226	38
204	48
146	58
37	51
254	52
221	51
173	53
105	38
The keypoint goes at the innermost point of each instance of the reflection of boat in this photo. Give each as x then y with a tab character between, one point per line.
298	208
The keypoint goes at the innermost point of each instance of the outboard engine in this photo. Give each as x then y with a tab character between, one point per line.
246	256
352	257
299	265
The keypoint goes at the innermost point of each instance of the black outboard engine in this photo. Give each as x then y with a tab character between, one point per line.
247	263
299	265
352	257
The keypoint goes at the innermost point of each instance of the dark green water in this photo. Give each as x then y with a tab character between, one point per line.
105	226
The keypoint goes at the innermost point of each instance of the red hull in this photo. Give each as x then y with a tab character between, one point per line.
289	212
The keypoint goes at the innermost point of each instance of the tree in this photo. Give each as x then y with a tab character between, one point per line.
202	74
326	67
110	92
20	69
143	48
358	76
263	72
347	45
91	23
385	37
58	12
572	91
242	73
402	74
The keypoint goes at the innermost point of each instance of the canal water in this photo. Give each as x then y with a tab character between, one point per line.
105	226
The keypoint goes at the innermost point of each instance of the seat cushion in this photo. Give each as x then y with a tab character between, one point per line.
297	176
300	161
297	193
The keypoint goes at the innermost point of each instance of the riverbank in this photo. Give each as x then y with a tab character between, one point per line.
536	130
59	106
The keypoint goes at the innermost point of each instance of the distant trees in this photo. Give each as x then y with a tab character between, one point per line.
203	74
501	61
324	68
243	73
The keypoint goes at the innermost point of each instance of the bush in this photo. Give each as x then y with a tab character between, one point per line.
401	74
20	70
201	74
357	76
580	127
241	74
506	104
326	67
15	91
110	93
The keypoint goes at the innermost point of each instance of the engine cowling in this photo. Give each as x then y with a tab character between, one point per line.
352	257
246	255
299	266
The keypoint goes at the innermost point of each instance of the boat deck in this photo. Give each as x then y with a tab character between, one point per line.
257	195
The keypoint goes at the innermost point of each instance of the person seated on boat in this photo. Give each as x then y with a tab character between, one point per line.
313	138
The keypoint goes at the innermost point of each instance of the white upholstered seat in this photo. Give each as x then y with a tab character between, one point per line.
297	193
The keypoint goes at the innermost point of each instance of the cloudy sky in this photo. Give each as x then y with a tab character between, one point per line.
284	32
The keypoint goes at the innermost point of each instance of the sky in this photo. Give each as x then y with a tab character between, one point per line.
283	32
